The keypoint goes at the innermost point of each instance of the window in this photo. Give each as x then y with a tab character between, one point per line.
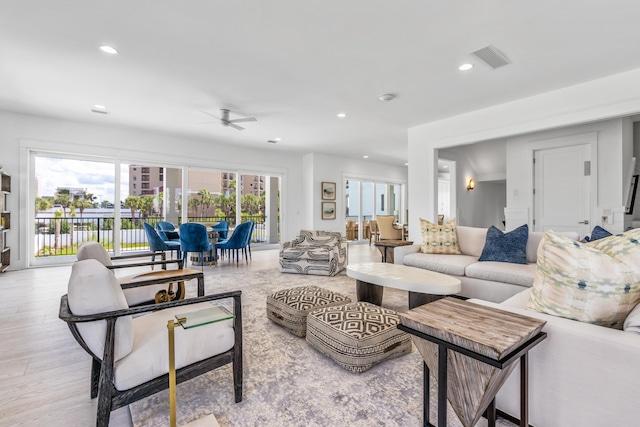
145	177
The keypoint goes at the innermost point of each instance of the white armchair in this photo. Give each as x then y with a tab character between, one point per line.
130	355
322	253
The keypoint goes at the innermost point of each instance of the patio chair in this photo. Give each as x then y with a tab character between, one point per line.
387	229
130	354
167	231
157	244
222	229
194	238
239	240
374	232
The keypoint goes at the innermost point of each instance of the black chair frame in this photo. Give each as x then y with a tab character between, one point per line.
102	371
179	292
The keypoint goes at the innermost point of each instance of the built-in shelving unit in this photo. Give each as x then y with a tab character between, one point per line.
5	218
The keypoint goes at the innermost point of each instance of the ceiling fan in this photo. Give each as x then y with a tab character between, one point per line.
225	121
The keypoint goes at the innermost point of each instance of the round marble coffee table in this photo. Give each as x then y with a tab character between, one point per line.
424	286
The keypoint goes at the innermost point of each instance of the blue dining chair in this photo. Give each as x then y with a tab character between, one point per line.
157	244
222	229
238	240
194	238
167	231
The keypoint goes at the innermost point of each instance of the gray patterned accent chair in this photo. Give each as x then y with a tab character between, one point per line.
322	253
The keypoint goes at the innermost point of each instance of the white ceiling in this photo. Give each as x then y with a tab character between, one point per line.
295	64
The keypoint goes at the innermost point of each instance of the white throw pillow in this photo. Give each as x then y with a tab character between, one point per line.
93	289
439	239
585	283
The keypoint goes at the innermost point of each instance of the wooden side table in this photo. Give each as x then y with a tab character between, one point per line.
386	248
474	347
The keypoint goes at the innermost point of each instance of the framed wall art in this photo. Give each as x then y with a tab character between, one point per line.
328	191
328	210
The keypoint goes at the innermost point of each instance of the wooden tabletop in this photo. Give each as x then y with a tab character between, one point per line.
485	330
393	243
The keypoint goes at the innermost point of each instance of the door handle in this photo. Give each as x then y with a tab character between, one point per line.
586	221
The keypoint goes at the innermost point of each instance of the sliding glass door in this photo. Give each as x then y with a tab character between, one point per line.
366	199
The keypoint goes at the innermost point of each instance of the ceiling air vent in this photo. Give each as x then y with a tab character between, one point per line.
491	56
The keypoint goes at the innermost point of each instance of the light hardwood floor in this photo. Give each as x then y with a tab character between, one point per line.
44	379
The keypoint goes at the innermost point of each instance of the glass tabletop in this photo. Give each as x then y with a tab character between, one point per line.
197	318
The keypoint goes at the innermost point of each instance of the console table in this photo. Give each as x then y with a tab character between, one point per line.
386	248
472	347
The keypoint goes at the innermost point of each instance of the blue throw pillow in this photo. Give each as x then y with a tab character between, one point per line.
506	247
599	233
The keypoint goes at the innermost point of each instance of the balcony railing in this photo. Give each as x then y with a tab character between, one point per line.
62	236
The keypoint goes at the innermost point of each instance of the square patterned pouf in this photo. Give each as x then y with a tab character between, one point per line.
290	307
357	335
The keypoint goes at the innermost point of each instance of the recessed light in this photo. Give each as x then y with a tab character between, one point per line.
386	97
445	166
100	109
465	67
365	157
108	49
277	139
406	164
342	115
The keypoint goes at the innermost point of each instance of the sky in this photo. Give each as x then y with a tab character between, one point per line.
97	177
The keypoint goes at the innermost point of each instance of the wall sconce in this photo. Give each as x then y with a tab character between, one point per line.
471	184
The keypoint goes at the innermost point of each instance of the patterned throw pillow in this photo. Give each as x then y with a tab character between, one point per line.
598	285
439	239
506	247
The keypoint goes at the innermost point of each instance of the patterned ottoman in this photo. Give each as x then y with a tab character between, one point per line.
358	335
290	307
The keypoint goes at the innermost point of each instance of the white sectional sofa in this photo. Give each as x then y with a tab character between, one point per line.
487	280
580	375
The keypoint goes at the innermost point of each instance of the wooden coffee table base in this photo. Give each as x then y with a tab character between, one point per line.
372	293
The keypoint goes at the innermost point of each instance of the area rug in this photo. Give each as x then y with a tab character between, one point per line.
287	383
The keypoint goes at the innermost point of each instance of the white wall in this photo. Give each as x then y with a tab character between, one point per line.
608	165
18	131
324	168
597	100
301	173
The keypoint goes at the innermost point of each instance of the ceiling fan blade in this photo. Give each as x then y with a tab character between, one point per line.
248	119
209	114
236	126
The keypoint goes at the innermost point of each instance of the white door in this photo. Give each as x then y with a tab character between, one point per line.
562	189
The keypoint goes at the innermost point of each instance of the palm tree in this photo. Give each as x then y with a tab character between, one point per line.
132	202
56	239
82	204
193	204
250	204
232	185
91	199
146	205
205	199
64	200
42	204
